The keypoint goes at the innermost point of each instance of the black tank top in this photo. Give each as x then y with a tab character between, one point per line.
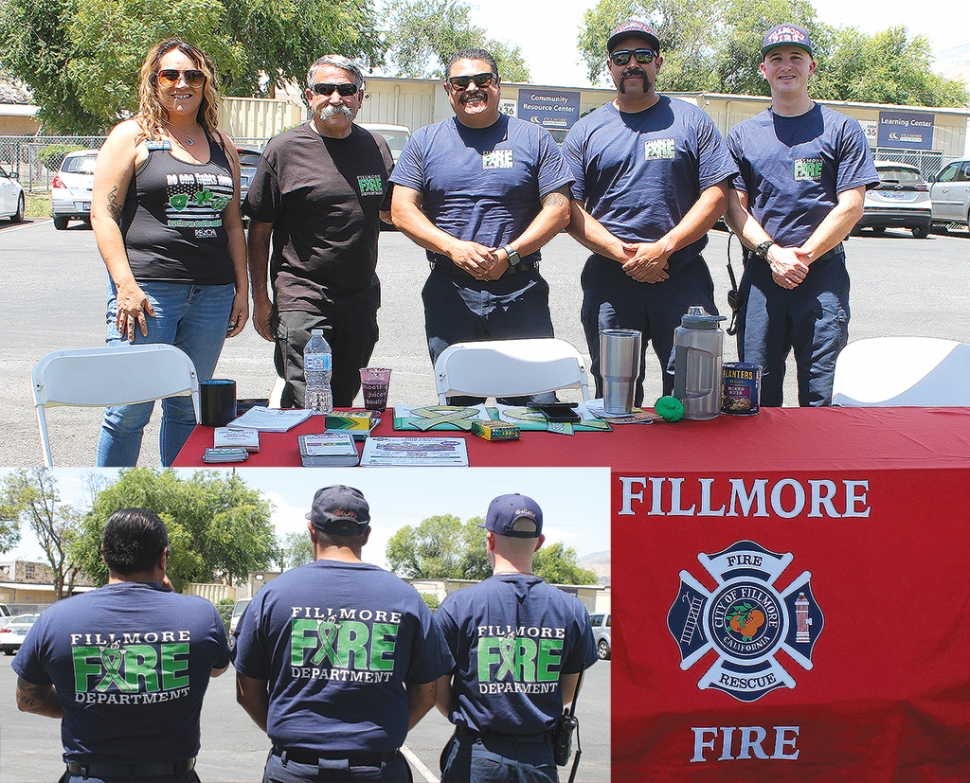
172	218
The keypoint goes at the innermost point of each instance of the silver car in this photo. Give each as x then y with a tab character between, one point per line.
601	634
902	199
71	188
950	192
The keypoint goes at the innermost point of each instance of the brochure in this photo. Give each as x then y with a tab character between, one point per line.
414	452
328	449
269	419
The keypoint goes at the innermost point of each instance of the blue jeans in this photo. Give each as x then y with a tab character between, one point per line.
194	318
395	770
490	759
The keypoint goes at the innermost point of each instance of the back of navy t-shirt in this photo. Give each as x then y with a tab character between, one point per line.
130	663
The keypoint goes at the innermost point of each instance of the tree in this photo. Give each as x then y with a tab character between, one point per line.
81	58
217	526
558	565
441	547
423	34
30	497
716	47
295	550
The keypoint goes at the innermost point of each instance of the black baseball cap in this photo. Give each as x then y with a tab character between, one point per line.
786	35
340	510
636	28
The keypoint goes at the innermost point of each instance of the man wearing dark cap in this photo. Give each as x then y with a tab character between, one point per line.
519	646
652	177
125	667
337	659
804	172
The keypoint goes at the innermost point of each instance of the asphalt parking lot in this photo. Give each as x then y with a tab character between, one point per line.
53	286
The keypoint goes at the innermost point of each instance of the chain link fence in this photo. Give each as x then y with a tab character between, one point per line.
19	156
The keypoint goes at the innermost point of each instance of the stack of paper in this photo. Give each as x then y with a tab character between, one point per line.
328	449
269	419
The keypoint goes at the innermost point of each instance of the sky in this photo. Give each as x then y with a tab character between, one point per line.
574	501
547	29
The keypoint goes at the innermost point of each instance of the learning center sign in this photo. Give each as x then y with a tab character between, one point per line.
905	130
549	108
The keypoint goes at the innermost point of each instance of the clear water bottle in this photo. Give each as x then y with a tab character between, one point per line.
318	369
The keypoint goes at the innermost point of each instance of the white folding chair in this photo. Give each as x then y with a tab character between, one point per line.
112	375
509	368
896	371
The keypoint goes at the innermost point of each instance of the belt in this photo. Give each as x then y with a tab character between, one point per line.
464	731
839	249
314	756
456	271
129	771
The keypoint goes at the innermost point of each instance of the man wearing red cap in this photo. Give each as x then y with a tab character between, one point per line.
804	172
652	176
519	646
337	660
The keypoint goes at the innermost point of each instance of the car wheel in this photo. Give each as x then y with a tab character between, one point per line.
60	223
8	652
603	650
21	208
878	230
920	232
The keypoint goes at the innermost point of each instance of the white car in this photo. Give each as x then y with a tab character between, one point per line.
71	188
950	192
12	634
12	202
902	199
396	135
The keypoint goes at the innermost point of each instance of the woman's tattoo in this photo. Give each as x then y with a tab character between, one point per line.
114	208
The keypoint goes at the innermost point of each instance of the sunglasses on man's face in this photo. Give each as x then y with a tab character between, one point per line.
169	77
480	80
642	56
344	89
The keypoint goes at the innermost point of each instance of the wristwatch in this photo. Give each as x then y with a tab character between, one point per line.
513	255
762	250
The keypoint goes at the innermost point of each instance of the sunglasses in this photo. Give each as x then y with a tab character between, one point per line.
480	79
622	56
345	89
169	77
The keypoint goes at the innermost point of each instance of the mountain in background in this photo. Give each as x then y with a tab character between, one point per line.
598	562
954	63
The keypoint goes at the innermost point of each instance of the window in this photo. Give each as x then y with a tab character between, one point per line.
29	571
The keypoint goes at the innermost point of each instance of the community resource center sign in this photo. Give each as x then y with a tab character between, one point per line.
549	108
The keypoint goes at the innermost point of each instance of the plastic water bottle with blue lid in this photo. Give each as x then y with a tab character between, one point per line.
318	370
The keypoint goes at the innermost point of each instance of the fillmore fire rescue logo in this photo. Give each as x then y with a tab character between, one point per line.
745	620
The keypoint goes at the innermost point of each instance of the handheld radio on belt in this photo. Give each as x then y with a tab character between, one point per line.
563	734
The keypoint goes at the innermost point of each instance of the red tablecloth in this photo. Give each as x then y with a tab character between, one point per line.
791	591
788	438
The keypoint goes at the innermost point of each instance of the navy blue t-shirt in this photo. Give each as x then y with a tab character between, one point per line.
513	635
794	168
337	641
130	663
640	173
482	184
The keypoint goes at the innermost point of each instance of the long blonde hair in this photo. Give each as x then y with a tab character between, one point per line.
151	115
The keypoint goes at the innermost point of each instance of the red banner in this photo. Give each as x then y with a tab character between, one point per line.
792	626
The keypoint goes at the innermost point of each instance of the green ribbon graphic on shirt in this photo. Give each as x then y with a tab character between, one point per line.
328	631
506	648
112	657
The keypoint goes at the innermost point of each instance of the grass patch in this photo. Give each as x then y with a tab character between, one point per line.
38	205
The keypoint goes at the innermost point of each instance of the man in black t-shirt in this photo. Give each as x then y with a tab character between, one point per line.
319	192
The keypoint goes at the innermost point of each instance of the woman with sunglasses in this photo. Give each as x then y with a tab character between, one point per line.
165	213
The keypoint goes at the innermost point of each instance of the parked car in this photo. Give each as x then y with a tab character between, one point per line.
12	634
12	201
237	613
396	135
248	158
950	193
601	634
71	188
4	610
901	199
